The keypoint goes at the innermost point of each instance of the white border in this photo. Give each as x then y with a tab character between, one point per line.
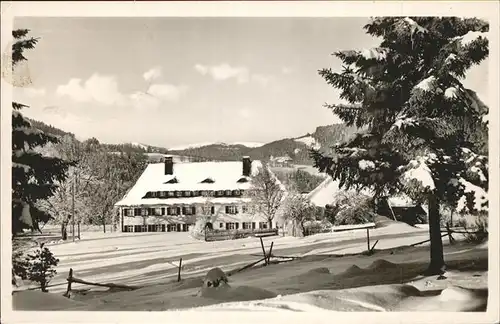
485	9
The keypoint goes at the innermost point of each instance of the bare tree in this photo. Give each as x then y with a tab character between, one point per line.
209	215
266	193
298	209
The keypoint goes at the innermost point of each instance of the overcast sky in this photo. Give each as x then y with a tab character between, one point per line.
174	81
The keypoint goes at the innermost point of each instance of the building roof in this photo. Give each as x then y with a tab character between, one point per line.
326	191
189	176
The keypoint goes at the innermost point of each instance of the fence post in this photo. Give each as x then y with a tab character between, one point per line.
263	250
70	279
270	251
448	230
179	273
368	238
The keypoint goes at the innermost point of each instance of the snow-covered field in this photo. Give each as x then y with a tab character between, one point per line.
142	258
151	259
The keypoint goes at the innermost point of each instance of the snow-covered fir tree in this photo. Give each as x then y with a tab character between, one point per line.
426	134
34	176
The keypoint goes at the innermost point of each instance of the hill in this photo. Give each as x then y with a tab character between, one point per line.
297	148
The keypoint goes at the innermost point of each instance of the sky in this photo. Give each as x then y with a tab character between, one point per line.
176	81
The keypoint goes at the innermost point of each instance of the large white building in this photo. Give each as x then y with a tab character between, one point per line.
171	196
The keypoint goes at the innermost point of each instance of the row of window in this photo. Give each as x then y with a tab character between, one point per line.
156	228
245	225
195	193
185	227
185	210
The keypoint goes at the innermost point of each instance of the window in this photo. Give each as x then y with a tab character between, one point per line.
188	210
140	228
196	193
137	212
263	225
244	209
187	193
158	212
230	226
156	228
231	210
127	212
237	225
163	194
178	193
144	212
221	225
247	225
172	211
154	194
228	193
128	228
206	210
236	193
171	193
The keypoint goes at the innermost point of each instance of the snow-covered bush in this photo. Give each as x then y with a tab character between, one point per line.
317	226
350	208
477	231
298	210
198	230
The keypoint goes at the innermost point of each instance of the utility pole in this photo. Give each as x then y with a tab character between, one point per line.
73	206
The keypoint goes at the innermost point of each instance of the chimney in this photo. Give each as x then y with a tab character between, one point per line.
247	166
169	165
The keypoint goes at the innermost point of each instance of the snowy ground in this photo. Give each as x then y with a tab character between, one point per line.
150	259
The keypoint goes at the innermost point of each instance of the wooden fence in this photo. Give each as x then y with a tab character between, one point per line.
221	235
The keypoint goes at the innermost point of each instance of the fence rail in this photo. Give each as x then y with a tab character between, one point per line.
221	235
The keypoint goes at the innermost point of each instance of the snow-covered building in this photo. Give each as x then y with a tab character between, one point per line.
280	161
399	207
171	196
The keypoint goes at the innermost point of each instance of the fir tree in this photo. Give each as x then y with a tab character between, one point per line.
34	176
425	132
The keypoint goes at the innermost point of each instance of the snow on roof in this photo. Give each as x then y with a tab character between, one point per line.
307	140
326	191
189	177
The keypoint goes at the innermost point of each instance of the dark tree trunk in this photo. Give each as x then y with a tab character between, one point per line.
270	221
104	223
43	286
303	229
64	232
437	265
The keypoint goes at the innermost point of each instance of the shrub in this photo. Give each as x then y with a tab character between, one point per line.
478	232
40	266
350	208
315	227
198	230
